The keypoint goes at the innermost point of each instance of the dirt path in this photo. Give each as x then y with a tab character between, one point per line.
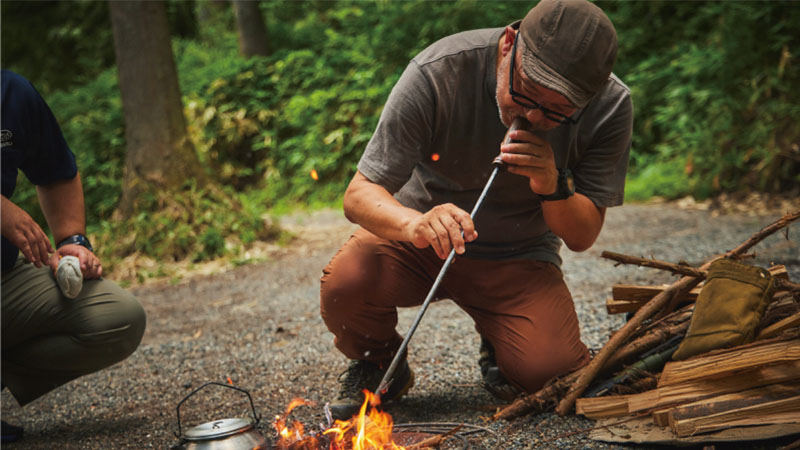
259	325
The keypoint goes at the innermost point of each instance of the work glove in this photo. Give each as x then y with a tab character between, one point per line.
728	309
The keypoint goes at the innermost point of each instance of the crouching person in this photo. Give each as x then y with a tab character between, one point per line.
51	334
424	168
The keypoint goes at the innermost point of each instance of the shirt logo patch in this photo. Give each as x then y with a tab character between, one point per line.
5	138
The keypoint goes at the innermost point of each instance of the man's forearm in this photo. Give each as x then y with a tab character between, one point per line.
63	207
374	208
576	220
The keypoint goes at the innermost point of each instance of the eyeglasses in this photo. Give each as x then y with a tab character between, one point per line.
527	102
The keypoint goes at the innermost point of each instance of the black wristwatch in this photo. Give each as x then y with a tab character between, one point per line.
565	187
76	239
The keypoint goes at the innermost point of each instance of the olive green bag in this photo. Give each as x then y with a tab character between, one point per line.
728	309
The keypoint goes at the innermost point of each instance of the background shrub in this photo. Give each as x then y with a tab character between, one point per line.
716	89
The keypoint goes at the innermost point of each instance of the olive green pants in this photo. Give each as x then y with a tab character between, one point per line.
49	340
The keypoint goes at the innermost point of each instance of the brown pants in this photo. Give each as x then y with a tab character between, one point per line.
522	307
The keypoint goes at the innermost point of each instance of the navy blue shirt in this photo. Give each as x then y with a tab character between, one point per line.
30	141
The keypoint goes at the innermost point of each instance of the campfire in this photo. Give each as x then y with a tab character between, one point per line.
370	429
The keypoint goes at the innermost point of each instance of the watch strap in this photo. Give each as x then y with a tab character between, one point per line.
565	187
78	239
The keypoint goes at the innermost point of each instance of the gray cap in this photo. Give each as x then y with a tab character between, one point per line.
568	46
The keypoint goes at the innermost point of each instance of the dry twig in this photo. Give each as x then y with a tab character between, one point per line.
655	305
434	441
682	269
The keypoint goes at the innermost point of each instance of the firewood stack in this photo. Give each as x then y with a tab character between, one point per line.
750	385
639	394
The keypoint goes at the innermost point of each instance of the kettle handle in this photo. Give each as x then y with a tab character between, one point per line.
252	406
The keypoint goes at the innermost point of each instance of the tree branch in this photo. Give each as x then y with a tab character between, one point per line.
685	284
682	269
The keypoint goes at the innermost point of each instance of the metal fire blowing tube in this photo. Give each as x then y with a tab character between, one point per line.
388	377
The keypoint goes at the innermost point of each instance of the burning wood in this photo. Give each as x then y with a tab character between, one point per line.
370	429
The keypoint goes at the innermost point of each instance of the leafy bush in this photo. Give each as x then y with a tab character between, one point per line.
313	105
197	224
92	122
715	89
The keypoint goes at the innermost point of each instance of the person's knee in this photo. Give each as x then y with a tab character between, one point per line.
346	281
132	313
115	323
528	375
535	370
336	297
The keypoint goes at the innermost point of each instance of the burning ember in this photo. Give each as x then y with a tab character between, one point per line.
369	430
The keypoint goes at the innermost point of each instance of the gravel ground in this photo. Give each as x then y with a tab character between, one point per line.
259	325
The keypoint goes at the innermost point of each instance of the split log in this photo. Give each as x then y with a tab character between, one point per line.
726	402
654	306
704	388
779	327
601	407
728	362
691	391
628	298
643	294
622	306
588	373
779	271
781	411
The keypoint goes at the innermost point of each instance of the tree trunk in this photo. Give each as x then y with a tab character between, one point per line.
159	155
253	38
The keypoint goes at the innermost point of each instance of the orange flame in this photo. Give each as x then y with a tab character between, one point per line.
435	157
292	436
314	175
369	430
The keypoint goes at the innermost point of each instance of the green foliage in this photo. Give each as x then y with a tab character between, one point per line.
312	106
96	135
55	44
715	89
195	223
657	179
58	45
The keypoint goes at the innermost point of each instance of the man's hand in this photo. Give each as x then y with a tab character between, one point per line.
531	156
20	228
90	263
441	229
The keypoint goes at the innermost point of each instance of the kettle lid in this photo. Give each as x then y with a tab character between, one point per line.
217	429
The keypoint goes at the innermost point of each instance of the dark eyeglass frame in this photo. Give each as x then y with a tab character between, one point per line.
529	103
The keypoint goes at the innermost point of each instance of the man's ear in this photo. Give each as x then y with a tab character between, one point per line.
508	40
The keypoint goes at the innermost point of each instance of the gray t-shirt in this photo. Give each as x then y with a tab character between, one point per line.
440	130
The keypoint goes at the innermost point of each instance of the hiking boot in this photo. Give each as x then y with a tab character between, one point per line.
366	375
493	379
